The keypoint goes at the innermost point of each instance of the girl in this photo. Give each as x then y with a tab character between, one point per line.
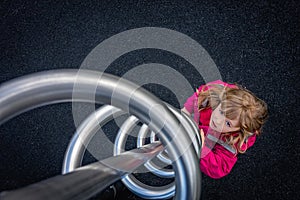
229	118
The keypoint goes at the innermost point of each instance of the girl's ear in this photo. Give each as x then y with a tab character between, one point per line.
256	132
197	91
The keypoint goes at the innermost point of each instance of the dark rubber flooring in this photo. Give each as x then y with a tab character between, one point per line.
254	43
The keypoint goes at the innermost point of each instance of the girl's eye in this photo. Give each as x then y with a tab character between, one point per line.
228	123
221	112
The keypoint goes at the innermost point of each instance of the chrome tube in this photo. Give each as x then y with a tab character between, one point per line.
84	133
56	86
158	171
86	181
133	184
141	189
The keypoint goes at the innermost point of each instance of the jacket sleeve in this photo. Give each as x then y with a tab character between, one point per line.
189	104
250	142
218	162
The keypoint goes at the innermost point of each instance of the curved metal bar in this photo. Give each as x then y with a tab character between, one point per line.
83	135
134	185
86	181
158	171
106	113
146	191
87	129
55	86
163	156
194	129
120	140
190	126
142	135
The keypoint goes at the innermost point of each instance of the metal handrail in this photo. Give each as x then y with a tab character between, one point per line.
56	86
87	181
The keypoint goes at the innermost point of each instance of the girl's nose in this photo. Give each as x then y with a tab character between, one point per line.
219	121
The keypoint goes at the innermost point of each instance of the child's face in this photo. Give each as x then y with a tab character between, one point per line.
220	123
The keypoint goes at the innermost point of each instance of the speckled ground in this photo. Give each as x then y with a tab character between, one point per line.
254	43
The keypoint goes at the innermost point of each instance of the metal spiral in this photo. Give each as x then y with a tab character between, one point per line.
177	133
90	126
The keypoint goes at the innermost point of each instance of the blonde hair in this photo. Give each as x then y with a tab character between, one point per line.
236	103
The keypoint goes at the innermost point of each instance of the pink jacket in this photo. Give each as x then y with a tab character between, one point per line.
217	157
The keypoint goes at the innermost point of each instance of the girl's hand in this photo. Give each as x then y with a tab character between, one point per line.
202	137
185	111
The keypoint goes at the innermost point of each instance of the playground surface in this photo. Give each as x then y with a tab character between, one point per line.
254	43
